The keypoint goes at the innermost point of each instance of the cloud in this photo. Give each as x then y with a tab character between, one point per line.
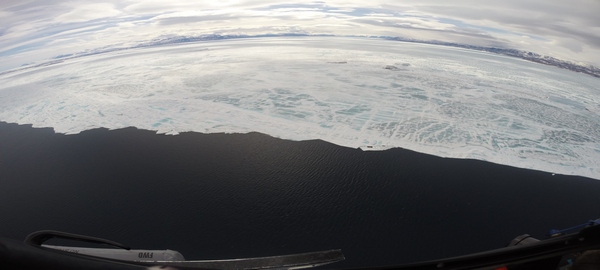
188	17
88	12
38	29
560	22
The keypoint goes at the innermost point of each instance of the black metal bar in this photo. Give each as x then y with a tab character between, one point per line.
39	237
17	255
556	247
301	260
31	255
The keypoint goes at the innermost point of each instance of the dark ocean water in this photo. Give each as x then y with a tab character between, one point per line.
213	196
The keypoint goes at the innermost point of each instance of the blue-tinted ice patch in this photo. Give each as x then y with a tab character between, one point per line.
161	121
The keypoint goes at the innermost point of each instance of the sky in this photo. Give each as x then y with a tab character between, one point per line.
36	30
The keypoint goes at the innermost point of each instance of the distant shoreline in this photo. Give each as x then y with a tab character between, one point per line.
525	55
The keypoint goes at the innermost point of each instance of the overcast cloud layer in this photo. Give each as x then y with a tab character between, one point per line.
31	31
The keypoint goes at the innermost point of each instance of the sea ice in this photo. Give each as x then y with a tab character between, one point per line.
367	93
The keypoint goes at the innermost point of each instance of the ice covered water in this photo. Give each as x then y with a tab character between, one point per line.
367	93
